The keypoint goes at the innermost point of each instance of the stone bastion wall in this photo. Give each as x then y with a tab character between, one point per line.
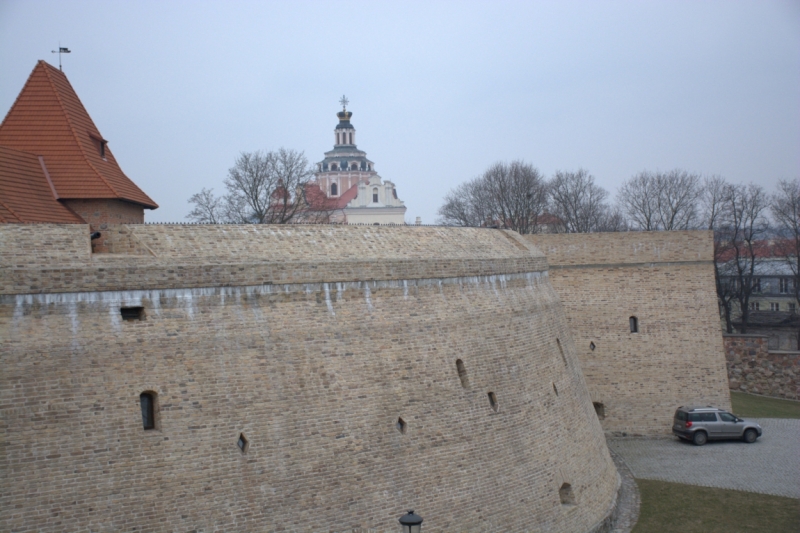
304	378
665	280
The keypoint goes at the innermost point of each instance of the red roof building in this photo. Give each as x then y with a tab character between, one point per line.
55	166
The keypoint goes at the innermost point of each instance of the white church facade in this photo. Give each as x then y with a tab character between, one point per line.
349	179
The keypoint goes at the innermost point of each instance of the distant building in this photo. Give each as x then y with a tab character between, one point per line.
773	305
55	166
348	179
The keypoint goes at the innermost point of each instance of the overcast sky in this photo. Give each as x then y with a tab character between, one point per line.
439	90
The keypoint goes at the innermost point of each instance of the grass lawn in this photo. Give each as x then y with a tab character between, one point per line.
689	509
750	405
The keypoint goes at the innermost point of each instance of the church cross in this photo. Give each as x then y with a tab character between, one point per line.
344	101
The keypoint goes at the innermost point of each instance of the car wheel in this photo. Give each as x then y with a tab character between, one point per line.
750	436
699	438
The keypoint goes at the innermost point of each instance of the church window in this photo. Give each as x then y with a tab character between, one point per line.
334	167
353	166
555	389
349	138
634	323
394	193
401	425
147	401
375	195
334	189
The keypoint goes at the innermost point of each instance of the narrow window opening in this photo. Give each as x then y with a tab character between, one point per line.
132	313
592	346
634	323
375	195
147	401
555	389
334	167
462	373
600	409
561	351
242	443
401	426
353	166
566	495
334	189
493	401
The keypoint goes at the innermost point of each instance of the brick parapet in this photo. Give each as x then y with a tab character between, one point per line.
44	259
753	368
625	248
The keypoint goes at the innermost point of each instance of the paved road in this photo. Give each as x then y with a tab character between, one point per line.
770	466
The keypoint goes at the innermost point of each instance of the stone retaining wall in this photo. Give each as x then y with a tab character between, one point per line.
752	367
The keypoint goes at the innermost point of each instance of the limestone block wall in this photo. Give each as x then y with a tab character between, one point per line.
361	385
752	367
666	281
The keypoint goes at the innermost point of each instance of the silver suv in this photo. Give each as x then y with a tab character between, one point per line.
699	424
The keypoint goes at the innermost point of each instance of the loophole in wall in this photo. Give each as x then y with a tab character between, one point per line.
132	313
462	373
493	401
600	409
401	426
242	443
566	495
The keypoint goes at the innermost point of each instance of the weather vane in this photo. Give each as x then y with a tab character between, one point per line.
344	101
61	50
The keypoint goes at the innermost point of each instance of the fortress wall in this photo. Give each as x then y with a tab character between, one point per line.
315	375
666	280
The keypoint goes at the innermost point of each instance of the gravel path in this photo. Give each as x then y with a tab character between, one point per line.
771	465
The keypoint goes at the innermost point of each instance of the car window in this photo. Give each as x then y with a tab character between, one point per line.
680	415
702	417
727	417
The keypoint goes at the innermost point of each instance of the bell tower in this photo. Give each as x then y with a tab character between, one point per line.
345	132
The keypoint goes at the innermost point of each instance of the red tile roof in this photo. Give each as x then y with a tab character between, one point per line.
25	192
48	119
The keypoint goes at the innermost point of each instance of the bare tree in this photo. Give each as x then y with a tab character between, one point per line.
715	202
510	195
580	204
661	200
262	188
613	220
466	205
742	228
785	207
208	209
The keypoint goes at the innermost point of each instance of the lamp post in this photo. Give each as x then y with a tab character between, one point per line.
412	523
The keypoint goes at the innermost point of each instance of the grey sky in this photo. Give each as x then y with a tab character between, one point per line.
439	90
